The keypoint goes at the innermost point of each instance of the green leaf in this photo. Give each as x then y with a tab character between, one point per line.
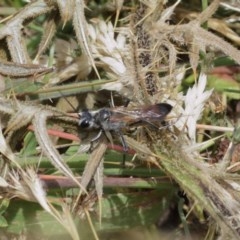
127	210
30	218
30	144
227	86
4	205
3	222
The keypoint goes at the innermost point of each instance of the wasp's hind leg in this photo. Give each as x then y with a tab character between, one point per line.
126	102
125	148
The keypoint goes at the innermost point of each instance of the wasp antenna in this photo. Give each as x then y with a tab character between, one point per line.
70	104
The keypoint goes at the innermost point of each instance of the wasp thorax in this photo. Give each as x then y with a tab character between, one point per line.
104	115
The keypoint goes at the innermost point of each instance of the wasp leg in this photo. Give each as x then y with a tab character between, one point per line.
93	140
125	148
126	103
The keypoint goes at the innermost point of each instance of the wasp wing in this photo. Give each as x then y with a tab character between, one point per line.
156	112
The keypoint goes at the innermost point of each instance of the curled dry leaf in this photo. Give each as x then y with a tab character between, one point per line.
80	27
27	185
66	9
39	123
12	30
68	64
22	115
12	33
22	70
193	35
4	147
143	152
94	160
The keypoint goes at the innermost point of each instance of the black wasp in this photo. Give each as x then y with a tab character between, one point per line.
115	120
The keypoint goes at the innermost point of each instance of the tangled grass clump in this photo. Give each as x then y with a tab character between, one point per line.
51	49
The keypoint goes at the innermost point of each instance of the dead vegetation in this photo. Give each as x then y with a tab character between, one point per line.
141	55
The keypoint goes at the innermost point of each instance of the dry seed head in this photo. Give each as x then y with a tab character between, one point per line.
194	102
113	54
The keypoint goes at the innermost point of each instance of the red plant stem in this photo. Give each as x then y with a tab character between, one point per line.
73	137
50	181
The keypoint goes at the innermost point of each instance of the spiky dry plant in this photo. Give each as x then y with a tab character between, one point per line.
138	60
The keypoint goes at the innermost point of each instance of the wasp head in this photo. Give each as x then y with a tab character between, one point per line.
94	119
87	120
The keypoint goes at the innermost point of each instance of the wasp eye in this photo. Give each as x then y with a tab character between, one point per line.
84	123
86	119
